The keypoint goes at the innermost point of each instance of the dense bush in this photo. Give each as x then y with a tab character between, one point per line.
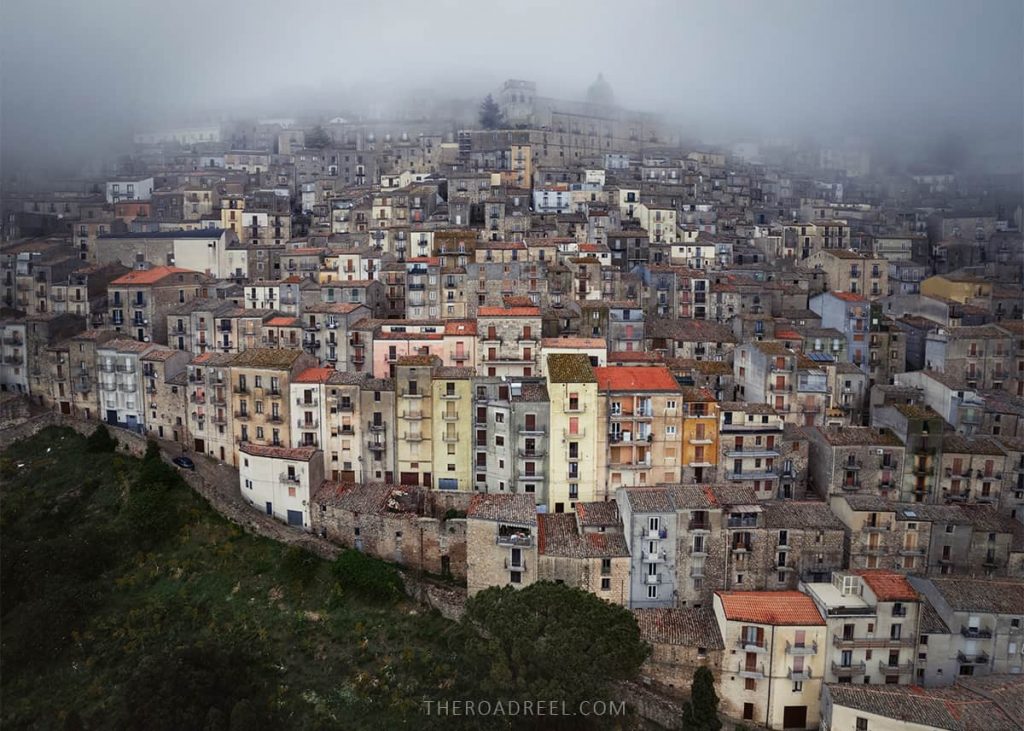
369	577
101	440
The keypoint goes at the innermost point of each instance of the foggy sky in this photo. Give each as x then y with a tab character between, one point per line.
78	76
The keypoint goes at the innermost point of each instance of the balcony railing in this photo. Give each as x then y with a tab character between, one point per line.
802	674
857	668
979	659
897	669
288	479
517	540
748	645
811	649
979	632
871	642
755	671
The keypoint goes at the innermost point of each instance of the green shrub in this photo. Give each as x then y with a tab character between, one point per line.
369	577
100	440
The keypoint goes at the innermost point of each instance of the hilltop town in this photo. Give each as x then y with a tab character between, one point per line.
769	398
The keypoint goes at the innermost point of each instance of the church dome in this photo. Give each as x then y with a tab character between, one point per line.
600	92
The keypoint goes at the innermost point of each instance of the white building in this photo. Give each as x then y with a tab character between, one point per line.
13	357
280	480
120	383
129	190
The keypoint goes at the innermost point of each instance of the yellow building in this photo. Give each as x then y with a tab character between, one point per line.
700	435
452	408
414	418
572	389
775	657
231	210
260	395
961	288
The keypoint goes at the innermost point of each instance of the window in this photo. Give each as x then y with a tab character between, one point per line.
606	584
862	724
652	591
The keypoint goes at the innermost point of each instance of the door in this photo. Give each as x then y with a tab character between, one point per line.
112	417
65	407
295	517
794	717
200	446
270	509
410	478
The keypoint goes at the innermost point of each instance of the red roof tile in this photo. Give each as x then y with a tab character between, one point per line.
770	607
635	378
282	321
150	276
508	312
888	586
849	297
314	375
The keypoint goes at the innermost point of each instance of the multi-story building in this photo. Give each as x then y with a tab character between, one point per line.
850	314
210	416
414	419
501	542
977	628
700	442
980	356
920	429
164	393
508	341
854	272
511	437
749	438
280	480
14	361
643	410
585	549
776	677
872	622
855	459
652	531
766	373
451	395
119	382
260	391
141	300
972	469
572	390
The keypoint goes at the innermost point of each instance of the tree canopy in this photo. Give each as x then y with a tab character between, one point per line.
701	712
549	641
318	138
490	113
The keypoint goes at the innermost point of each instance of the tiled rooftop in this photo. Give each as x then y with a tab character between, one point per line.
770	607
517	509
687	627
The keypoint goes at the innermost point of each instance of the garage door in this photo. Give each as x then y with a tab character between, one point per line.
794	717
295	517
410	478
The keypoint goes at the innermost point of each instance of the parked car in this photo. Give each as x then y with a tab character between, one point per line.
185	463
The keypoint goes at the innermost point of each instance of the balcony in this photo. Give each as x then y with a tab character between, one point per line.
450	416
309	402
412	436
652	579
851	486
761	475
980	659
519	540
699	526
580	433
289	479
857	668
198	398
654	557
748	645
412	415
755	672
802	674
846	643
308	424
976	632
897	669
376	428
241	389
13	340
752	452
741	547
531	453
242	415
219	419
376	446
811	649
880	525
460	357
410	394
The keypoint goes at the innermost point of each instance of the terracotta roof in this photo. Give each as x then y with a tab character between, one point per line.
161	354
314	375
888	586
642	378
519	509
282	321
800	514
688	627
566	342
770	607
508	312
847	296
149	276
266	358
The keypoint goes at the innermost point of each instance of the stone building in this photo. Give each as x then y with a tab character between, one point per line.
594	560
749	437
806	542
855	460
681	641
210	418
501	542
972	469
920	429
400	524
508	341
165	393
141	300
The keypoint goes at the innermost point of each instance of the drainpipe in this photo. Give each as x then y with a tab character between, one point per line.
771	663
